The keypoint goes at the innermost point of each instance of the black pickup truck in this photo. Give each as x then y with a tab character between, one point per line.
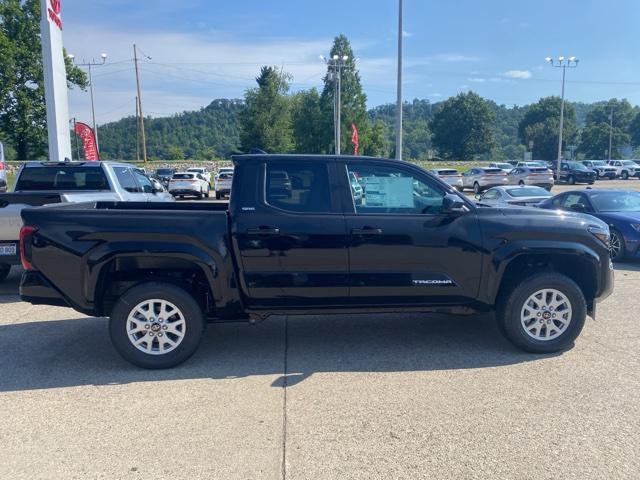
314	234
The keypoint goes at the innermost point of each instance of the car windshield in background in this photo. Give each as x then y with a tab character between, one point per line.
492	170
62	179
629	163
447	172
616	201
577	166
599	163
164	171
183	176
528	192
504	165
538	169
224	175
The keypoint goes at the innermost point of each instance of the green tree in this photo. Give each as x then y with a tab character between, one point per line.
540	126
595	141
353	100
22	106
266	121
307	121
463	127
634	130
378	141
175	153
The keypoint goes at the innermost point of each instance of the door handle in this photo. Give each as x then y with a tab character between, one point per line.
263	231
366	231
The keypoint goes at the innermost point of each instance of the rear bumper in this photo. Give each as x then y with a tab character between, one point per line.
36	289
184	192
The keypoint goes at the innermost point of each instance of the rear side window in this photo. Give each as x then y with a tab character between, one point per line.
183	176
62	178
126	179
298	187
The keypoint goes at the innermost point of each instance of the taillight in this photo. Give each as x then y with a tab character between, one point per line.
1	165
25	234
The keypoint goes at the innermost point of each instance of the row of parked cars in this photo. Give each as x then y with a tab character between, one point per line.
537	173
196	182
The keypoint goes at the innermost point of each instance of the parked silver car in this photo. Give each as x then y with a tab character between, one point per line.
602	168
538	176
520	196
450	176
504	166
479	179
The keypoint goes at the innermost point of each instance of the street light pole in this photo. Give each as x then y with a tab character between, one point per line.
90	64
399	95
610	131
564	63
336	63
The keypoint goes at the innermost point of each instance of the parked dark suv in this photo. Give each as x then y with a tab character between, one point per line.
574	172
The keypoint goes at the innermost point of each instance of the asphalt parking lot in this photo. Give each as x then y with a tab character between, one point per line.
384	396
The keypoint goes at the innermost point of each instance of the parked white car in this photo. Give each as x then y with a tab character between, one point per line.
202	171
538	176
520	196
481	178
450	176
625	168
189	184
222	182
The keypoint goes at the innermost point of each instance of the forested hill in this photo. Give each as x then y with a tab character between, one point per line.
214	131
211	132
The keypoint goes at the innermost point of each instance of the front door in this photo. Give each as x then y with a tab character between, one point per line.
293	245
403	250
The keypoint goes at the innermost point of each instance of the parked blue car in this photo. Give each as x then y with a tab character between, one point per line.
620	209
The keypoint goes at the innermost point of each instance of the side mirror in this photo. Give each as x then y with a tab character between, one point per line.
452	204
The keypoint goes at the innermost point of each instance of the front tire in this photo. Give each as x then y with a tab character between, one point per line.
5	269
521	183
156	325
476	188
571	180
617	249
625	176
543	314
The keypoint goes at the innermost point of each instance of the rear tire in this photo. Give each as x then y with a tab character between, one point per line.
521	183
5	269
625	176
185	327
218	196
571	180
526	313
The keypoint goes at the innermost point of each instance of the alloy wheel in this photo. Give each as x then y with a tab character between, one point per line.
615	246
546	314
155	326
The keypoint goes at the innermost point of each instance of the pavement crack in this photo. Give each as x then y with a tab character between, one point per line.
284	399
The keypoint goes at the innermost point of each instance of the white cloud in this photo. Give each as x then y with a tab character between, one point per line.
406	34
477	79
519	74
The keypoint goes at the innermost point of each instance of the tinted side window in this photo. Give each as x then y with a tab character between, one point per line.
393	190
298	187
143	181
126	179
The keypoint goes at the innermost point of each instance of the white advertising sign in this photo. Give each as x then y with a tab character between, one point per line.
389	192
55	81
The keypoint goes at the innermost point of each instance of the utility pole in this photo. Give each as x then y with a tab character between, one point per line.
90	64
399	98
139	105
336	63
137	134
564	63
610	131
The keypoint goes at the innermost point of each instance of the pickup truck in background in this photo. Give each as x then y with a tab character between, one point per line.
410	243
43	183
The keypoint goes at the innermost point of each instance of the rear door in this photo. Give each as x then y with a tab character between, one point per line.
129	189
403	250
292	241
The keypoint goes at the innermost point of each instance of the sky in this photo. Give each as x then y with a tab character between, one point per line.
194	51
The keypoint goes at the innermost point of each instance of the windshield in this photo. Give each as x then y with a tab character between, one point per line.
196	170
62	178
630	163
577	166
599	163
504	165
528	192
447	172
492	170
616	201
164	171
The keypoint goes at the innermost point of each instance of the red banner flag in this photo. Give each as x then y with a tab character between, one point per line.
354	139
89	147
